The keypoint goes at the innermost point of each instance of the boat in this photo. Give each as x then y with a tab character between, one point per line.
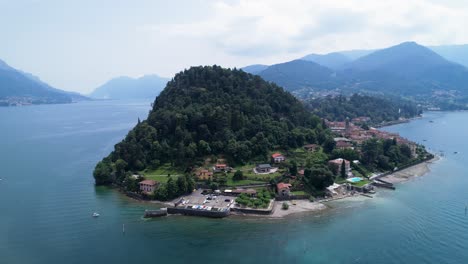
95	214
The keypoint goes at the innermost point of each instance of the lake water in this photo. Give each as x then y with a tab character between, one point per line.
47	197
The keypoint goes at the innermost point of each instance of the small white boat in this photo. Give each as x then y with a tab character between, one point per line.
95	214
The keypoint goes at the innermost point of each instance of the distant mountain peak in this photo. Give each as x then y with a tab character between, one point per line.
124	87
332	60
254	68
409	57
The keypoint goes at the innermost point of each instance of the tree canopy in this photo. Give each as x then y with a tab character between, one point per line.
378	109
214	111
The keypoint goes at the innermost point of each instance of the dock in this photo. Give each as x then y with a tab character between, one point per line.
383	184
155	213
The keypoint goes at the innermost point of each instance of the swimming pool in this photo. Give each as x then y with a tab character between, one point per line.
354	179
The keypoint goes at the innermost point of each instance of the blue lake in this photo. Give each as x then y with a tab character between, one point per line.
47	196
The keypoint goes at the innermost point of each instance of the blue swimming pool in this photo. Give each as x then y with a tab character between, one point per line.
355	179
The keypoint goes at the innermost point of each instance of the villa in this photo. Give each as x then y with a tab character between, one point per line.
283	189
263	168
221	168
148	186
278	158
338	163
343	145
204	174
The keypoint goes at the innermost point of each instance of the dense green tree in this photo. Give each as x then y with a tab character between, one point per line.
329	145
103	172
347	154
317	178
378	109
238	176
161	193
172	188
293	168
182	185
343	170
214	186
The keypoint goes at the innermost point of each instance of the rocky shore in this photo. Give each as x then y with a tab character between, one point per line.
411	172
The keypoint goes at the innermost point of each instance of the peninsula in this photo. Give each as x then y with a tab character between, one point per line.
222	140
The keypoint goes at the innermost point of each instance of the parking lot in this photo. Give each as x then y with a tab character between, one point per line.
219	201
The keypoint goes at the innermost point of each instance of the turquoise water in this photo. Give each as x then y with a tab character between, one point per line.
47	197
354	179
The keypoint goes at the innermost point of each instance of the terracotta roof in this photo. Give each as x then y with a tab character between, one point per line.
220	165
148	182
283	185
343	144
277	155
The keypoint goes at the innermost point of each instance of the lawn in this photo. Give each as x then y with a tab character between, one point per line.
361	183
357	174
299	193
340	180
160	174
230	182
248	172
159	178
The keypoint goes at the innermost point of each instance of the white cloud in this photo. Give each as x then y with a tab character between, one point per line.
272	28
78	48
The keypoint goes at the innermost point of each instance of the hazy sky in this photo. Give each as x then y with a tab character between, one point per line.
78	45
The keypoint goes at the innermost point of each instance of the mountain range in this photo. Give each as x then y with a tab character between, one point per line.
146	87
22	88
408	69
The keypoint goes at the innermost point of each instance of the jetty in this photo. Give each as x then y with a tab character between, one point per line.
198	210
383	184
155	213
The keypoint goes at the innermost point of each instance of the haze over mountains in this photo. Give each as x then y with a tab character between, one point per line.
22	88
146	87
333	60
437	74
407	69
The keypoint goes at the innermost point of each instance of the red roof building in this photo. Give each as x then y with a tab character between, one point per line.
148	186
278	157
283	189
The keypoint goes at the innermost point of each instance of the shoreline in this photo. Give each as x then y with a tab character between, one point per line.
297	207
412	172
305	206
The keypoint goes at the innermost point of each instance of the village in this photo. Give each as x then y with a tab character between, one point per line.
273	188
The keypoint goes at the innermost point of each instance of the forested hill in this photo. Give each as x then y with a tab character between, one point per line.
377	109
206	111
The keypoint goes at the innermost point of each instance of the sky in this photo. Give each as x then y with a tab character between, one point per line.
79	45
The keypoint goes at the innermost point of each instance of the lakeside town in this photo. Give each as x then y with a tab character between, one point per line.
276	188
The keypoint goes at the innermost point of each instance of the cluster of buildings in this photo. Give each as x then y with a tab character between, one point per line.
350	132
